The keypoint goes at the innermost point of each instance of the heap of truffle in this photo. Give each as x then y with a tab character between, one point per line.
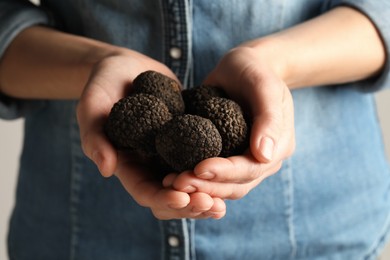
177	128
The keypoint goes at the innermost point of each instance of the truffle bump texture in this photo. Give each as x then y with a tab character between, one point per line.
134	122
193	97
162	87
174	130
228	118
186	140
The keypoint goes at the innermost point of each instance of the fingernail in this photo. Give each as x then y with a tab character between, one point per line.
214	215
210	214
168	180
176	206
267	148
206	175
189	189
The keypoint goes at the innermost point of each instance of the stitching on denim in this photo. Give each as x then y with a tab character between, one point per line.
373	252
380	243
188	63
186	239
163	236
75	186
163	30
282	15
192	238
177	33
287	177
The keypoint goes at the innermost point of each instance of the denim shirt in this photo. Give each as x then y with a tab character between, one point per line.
330	200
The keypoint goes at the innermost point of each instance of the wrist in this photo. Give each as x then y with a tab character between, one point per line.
45	63
269	51
339	46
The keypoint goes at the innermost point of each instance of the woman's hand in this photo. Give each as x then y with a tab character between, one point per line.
249	80
110	80
339	46
165	203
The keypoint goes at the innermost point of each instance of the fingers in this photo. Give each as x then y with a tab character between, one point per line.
228	181
217	209
236	169
203	206
200	206
165	202
232	191
147	192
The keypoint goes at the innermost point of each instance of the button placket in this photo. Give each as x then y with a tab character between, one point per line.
176	239
177	14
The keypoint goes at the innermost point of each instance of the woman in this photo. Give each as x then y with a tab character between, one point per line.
314	183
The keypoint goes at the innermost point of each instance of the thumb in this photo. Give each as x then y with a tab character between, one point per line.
94	142
265	134
267	119
100	151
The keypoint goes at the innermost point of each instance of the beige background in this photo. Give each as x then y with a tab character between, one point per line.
10	146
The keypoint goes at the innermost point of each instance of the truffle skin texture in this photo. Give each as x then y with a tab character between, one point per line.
134	122
193	96
186	140
228	117
162	87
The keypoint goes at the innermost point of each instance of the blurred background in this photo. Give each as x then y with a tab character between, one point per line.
11	133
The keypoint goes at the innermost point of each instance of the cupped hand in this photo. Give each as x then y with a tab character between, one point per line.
109	81
256	86
164	202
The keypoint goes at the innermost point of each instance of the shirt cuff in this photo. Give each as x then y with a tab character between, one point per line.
379	13
15	16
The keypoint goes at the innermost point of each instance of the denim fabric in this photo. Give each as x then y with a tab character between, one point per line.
330	200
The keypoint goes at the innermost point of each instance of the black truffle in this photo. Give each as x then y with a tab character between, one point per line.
135	120
229	119
150	123
186	140
193	96
162	87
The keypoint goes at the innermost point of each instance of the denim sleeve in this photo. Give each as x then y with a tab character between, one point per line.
378	11
15	16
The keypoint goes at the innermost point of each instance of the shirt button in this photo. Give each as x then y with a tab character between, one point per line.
173	241
175	53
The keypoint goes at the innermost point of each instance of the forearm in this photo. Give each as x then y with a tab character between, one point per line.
44	63
337	47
